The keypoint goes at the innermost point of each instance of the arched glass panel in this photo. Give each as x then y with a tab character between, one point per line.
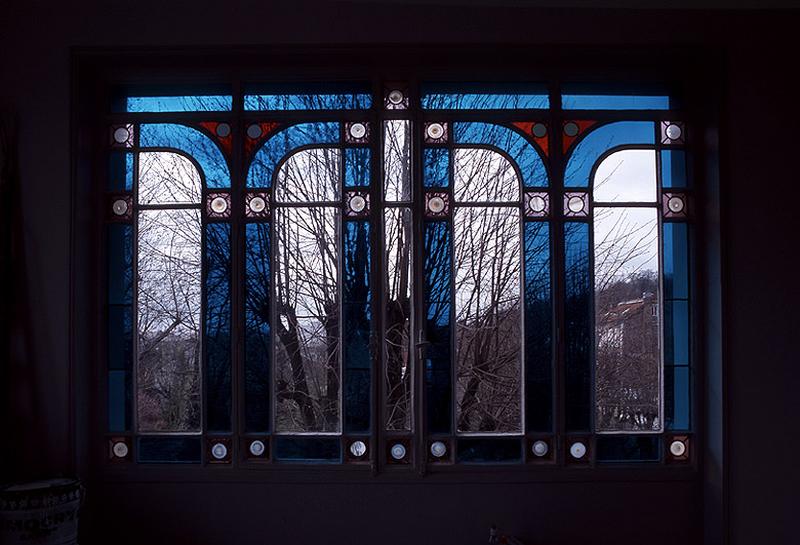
193	143
488	319
514	145
307	327
168	178
627	293
310	175
488	290
588	151
272	152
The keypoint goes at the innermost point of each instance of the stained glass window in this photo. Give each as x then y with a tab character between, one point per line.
442	275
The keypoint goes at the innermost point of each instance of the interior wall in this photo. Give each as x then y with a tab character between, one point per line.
757	185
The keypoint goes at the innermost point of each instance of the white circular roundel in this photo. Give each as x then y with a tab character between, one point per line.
358	130
677	448
358	448
396	96
674	132
358	203
120	449
540	448
577	450
257	448
258	204
219	451
537	204
436	205
435	131
398	451
219	205
675	205
121	135
575	204
120	207
438	449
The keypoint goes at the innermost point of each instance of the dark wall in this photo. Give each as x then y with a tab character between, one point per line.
750	461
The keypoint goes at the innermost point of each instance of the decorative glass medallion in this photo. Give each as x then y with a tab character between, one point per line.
437	204
122	136
540	448
396	99
356	132
257	448
256	205
218	205
438	449
577	450
121	207
576	205
537	204
674	205
358	449
672	132
357	204
223	130
435	133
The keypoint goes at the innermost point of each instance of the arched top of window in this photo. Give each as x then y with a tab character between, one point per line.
508	141
310	175
172	136
168	178
628	175
273	151
484	175
598	141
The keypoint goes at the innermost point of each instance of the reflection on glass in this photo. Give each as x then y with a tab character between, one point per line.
168	320
488	319
397	320
627	320
577	334
185	103
307	325
258	281
168	178
482	175
397	160
626	176
310	175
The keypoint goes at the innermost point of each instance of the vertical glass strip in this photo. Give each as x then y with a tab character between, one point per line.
577	312
120	326
357	314
307	325
257	353
677	360
538	329
397	160
397	319
357	167
438	307
168	320
488	315
627	320
436	164
217	261
120	171
673	168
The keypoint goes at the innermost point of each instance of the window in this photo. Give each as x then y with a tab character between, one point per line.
450	275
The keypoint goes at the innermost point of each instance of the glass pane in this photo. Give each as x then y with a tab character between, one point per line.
168	320
192	142
627	320
615	102
357	315
258	354
169	450
482	175
307	330
310	175
673	168
676	261
307	96
397	160
589	150
477	96
488	319
576	317
168	178
622	448
217	339
120	326
357	167
284	142
676	332
626	176
538	329
120	171
397	319
438	309
492	451
677	401
308	449
519	150
436	165
187	103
